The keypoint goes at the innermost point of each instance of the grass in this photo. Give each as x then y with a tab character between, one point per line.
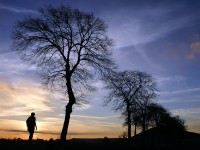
70	144
86	144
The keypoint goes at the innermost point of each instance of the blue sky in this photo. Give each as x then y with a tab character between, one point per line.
159	37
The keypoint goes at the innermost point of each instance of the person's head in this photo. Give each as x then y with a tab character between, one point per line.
32	114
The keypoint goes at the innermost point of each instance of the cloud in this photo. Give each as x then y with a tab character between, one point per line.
13	70
143	26
55	133
187	112
195	47
100	122
180	91
25	131
182	96
180	100
95	117
164	80
191	116
133	29
21	99
17	10
93	125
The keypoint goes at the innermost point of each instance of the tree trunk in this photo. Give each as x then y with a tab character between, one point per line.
135	131
68	110
144	121
129	123
66	122
144	124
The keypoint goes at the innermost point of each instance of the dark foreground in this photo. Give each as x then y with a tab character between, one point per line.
88	144
153	139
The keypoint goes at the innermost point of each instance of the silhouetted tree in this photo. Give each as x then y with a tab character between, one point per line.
124	135
173	123
68	47
156	113
127	90
160	117
145	97
149	115
164	125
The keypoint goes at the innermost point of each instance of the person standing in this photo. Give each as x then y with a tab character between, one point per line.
31	125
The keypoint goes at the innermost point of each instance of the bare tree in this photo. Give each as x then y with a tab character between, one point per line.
124	135
145	97
68	47
127	90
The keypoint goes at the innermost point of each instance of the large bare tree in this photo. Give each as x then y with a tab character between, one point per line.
69	48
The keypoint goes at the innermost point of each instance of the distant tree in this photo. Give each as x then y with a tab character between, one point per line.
145	97
173	128
159	117
126	90
106	139
68	47
149	115
156	113
135	118
173	123
124	135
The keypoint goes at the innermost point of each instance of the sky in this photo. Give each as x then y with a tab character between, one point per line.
161	38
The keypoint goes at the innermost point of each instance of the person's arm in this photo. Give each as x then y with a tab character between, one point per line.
35	125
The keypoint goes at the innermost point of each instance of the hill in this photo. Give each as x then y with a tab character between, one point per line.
161	137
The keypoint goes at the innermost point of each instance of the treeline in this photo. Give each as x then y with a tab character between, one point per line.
133	93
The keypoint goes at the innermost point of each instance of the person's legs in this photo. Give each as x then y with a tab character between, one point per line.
31	131
30	136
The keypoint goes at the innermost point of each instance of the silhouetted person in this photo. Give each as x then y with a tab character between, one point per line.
31	125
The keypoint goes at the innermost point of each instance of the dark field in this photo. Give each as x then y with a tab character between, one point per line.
92	144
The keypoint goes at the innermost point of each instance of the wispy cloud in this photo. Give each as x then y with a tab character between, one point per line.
98	121
182	96
20	99
55	133
13	70
25	131
179	91
95	117
17	10
176	78
88	125
187	112
195	50
179	100
136	27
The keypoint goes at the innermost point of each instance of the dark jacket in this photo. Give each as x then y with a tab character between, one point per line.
31	122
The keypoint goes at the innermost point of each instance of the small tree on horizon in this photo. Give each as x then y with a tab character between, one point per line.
69	48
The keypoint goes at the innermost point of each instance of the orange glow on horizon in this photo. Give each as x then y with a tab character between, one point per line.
20	99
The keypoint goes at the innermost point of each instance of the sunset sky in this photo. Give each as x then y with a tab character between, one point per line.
159	37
